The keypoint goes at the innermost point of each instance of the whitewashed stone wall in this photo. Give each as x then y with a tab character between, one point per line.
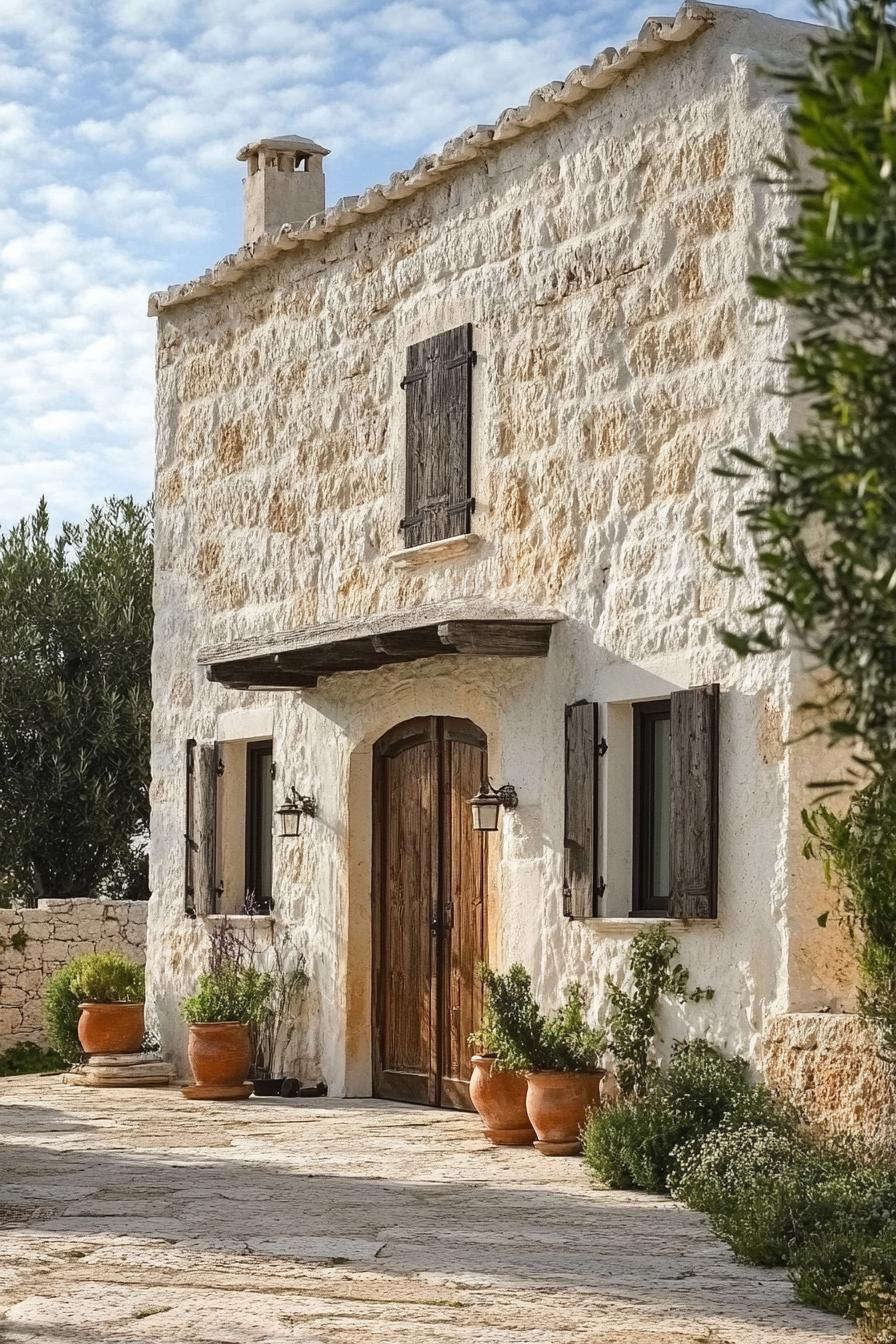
34	943
603	261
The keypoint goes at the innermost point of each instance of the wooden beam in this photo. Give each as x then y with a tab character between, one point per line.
505	639
412	620
265	677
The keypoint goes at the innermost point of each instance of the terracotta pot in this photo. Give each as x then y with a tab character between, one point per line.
500	1098
557	1105
219	1053
110	1028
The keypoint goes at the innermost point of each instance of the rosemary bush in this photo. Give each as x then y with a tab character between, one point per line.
636	1144
524	1039
107	977
229	994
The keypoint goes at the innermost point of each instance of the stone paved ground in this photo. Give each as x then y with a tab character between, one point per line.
138	1216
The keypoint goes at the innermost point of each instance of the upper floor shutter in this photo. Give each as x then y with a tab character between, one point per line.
438	406
694	823
581	887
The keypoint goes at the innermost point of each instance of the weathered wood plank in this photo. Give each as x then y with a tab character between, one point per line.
580	839
251	647
695	803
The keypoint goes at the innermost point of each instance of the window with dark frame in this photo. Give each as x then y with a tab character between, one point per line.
259	821
651	807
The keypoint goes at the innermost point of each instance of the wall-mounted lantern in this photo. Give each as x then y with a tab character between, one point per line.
487	804
296	806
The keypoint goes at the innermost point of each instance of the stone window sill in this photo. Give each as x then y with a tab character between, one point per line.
239	921
447	549
611	924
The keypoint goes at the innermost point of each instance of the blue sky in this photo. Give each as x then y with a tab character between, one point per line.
119	121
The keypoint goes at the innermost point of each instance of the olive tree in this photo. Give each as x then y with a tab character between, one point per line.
75	641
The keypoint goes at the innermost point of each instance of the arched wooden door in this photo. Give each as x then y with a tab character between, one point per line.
429	910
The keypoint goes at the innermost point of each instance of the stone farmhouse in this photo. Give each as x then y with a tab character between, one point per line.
435	469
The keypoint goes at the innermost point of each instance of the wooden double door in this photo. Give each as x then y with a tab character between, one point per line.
429	910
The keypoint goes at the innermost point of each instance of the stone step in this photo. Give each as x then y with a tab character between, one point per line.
135	1071
91	1080
139	1057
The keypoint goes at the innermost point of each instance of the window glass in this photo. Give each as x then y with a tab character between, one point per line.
652	806
259	817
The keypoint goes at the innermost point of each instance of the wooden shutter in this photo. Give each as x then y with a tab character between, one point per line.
207	772
581	885
438	404
191	844
694	836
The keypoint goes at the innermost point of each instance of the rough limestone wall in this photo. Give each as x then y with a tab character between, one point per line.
829	1065
34	943
603	263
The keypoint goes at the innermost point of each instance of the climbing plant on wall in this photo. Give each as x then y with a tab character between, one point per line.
821	507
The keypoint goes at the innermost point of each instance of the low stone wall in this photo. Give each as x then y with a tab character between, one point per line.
828	1064
34	943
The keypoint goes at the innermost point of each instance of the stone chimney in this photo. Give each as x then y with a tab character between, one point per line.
284	183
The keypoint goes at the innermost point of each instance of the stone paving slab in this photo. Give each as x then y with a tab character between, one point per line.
134	1216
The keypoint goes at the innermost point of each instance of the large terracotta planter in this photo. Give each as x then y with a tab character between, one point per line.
557	1105
110	1028
500	1098
220	1055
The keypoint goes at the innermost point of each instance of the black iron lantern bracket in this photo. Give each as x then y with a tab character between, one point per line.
296	806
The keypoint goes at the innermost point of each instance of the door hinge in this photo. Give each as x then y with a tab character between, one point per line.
567	901
602	747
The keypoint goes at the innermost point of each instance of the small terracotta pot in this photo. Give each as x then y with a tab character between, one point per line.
500	1098
110	1028
557	1105
219	1053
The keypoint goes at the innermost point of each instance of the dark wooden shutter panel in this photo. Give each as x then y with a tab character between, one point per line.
438	392
191	844
207	772
580	848
695	803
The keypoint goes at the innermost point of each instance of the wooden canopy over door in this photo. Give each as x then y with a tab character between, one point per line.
429	910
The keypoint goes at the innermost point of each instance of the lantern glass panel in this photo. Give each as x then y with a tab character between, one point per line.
485	813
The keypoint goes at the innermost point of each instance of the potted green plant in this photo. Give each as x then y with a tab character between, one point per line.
564	1076
498	1093
560	1055
228	1000
109	990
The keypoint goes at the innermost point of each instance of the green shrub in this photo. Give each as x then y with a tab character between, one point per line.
108	977
97	977
522	1038
837	1228
229	994
876	1297
29	1058
61	1013
635	1143
753	1181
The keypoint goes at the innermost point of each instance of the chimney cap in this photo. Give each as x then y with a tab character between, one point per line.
282	144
